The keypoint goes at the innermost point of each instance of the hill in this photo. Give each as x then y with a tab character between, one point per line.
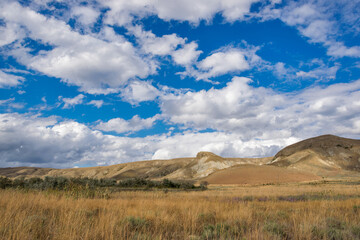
325	155
196	168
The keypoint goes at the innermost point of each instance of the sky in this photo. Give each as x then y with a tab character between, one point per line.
92	83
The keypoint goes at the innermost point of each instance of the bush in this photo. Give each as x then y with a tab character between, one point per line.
204	185
5	182
69	184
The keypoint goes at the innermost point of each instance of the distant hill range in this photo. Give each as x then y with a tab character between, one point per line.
312	159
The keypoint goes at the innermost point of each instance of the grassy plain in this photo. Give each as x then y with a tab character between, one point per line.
329	210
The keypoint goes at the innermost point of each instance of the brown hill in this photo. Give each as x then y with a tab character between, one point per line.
201	166
325	155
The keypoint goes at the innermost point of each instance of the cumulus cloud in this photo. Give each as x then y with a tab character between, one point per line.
9	80
9	33
30	140
260	112
86	15
120	125
186	55
236	107
95	65
222	61
122	12
152	44
37	141
182	53
223	144
139	91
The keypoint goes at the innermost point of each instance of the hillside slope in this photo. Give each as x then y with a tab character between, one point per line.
324	155
202	165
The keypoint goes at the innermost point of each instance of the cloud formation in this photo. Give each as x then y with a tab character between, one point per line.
9	80
246	121
95	65
122	13
120	125
71	102
257	112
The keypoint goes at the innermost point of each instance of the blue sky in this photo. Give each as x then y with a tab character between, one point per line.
105	82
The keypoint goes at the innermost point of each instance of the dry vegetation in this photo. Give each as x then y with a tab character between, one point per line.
287	211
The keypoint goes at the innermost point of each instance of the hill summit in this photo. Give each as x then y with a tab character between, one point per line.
321	154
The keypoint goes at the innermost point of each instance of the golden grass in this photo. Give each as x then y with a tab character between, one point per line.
220	213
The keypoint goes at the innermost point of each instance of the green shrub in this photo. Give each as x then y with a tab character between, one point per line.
5	182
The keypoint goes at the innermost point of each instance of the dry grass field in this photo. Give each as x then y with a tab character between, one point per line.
285	211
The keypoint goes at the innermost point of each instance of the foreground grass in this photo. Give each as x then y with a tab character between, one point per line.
324	211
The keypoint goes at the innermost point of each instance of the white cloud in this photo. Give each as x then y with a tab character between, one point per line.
223	61
71	102
139	91
120	125
96	103
85	15
315	70
95	65
11	104
10	33
182	53
223	144
187	55
9	80
122	12
303	14
261	113
280	70
36	141
236	107
152	44
340	50
321	73
220	63
318	31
